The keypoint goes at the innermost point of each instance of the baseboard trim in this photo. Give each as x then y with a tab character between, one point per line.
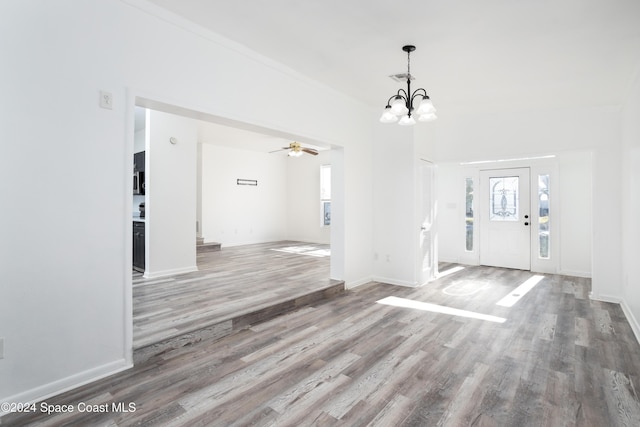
395	282
605	298
173	272
633	322
355	283
575	273
63	385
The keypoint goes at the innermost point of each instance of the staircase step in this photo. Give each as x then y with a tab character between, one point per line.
219	328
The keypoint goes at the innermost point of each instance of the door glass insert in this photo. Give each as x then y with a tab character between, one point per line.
504	203
543	216
468	219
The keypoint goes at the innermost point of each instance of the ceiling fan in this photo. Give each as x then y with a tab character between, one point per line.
296	150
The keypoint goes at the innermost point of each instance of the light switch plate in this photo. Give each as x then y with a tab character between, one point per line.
106	100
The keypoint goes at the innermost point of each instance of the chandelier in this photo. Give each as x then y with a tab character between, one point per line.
400	107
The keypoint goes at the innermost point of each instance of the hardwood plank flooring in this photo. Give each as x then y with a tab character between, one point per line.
557	359
230	283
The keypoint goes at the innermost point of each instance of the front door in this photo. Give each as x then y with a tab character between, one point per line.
505	218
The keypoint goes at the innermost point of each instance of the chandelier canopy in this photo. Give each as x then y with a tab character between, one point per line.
400	107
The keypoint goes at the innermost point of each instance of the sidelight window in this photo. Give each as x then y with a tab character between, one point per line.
468	217
543	216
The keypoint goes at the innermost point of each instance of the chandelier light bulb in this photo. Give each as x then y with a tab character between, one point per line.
398	106
407	121
426	107
388	116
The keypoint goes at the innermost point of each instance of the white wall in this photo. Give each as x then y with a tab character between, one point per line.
139	138
397	253
514	134
630	292
575	221
65	258
242	214
304	215
394	228
170	209
450	193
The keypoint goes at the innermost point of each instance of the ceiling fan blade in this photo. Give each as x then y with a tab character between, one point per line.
282	149
310	151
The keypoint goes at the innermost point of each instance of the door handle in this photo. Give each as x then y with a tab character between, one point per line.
526	223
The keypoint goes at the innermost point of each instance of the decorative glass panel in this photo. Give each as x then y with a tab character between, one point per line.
543	215
469	213
504	203
326	213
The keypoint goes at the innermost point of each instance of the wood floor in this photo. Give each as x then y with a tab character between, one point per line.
445	354
233	282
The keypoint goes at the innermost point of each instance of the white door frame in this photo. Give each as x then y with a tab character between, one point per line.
426	263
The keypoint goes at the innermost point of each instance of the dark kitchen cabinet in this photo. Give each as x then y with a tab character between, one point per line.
138	246
138	162
138	173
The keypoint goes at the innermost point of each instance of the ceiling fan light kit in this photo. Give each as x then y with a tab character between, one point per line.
296	150
400	107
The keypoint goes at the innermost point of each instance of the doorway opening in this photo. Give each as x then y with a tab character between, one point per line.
243	152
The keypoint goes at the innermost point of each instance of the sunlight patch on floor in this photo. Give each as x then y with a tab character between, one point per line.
434	308
515	295
305	250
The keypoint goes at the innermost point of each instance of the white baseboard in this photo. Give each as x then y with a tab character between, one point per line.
395	282
575	273
605	298
633	322
173	272
41	393
355	283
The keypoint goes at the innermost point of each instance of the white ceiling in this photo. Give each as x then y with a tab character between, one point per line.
471	55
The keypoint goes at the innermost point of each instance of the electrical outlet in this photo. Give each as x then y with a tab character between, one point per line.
106	100
1	348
